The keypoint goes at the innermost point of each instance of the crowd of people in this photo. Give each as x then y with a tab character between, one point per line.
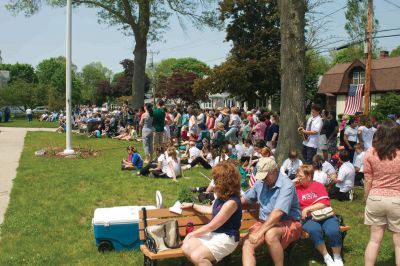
239	147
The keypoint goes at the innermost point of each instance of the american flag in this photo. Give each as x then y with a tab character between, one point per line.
354	99
252	179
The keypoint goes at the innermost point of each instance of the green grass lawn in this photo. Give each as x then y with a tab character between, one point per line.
48	221
21	122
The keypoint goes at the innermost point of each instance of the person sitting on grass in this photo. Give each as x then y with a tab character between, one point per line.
192	152
155	169
345	179
220	237
291	164
62	126
313	196
319	175
97	133
174	164
135	163
205	158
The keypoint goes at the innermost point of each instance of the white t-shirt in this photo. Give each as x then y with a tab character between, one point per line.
194	152
248	151
321	177
218	159
328	169
346	175
359	161
290	166
200	118
351	133
367	135
175	165
235	120
239	150
313	140
164	162
29	111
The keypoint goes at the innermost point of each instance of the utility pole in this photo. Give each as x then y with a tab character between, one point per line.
368	69
152	53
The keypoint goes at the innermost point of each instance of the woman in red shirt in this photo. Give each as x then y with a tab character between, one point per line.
313	196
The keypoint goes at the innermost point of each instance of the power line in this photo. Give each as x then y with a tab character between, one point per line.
388	30
330	14
393	4
386	36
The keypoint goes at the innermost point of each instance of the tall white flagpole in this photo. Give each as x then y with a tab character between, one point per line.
68	82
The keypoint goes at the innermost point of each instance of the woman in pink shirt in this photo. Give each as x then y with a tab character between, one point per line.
259	129
313	196
382	189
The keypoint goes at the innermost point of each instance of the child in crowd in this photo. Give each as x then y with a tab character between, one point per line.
248	151
134	160
96	133
319	175
192	152
185	133
155	169
359	164
174	164
291	164
245	130
345	179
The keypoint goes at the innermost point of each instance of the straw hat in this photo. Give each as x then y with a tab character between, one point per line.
220	126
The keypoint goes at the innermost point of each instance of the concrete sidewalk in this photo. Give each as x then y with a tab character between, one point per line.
11	146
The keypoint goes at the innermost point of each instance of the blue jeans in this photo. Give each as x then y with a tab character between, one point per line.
328	227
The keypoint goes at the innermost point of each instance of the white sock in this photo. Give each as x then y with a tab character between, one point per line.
327	257
337	257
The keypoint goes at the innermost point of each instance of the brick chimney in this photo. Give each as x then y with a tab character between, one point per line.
383	54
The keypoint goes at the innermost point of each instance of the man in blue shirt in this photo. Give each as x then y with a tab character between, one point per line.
279	217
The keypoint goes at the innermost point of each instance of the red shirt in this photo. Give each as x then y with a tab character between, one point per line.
251	120
308	195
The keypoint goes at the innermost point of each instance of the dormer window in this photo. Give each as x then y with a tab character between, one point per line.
358	76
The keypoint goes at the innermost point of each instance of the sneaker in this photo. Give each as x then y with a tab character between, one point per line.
330	262
351	195
186	167
339	262
151	175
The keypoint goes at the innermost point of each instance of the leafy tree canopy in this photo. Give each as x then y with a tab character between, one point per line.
19	93
179	87
92	75
347	55
395	52
51	73
167	66
252	71
388	104
316	65
20	71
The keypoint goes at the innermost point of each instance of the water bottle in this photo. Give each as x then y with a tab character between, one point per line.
189	227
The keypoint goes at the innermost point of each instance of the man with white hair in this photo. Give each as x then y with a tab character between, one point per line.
279	216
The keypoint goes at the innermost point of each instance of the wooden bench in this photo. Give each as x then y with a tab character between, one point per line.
249	218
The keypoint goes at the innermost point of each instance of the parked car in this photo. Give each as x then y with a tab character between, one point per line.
40	110
17	110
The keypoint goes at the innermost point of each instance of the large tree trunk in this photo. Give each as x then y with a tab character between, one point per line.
139	72
292	13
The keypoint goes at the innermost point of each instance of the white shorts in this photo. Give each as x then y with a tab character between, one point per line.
219	244
323	144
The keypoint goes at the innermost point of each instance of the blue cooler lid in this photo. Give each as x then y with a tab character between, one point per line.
118	215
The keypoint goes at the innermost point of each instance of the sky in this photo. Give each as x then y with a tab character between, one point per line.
32	39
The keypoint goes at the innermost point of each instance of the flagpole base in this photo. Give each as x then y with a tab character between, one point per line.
68	152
